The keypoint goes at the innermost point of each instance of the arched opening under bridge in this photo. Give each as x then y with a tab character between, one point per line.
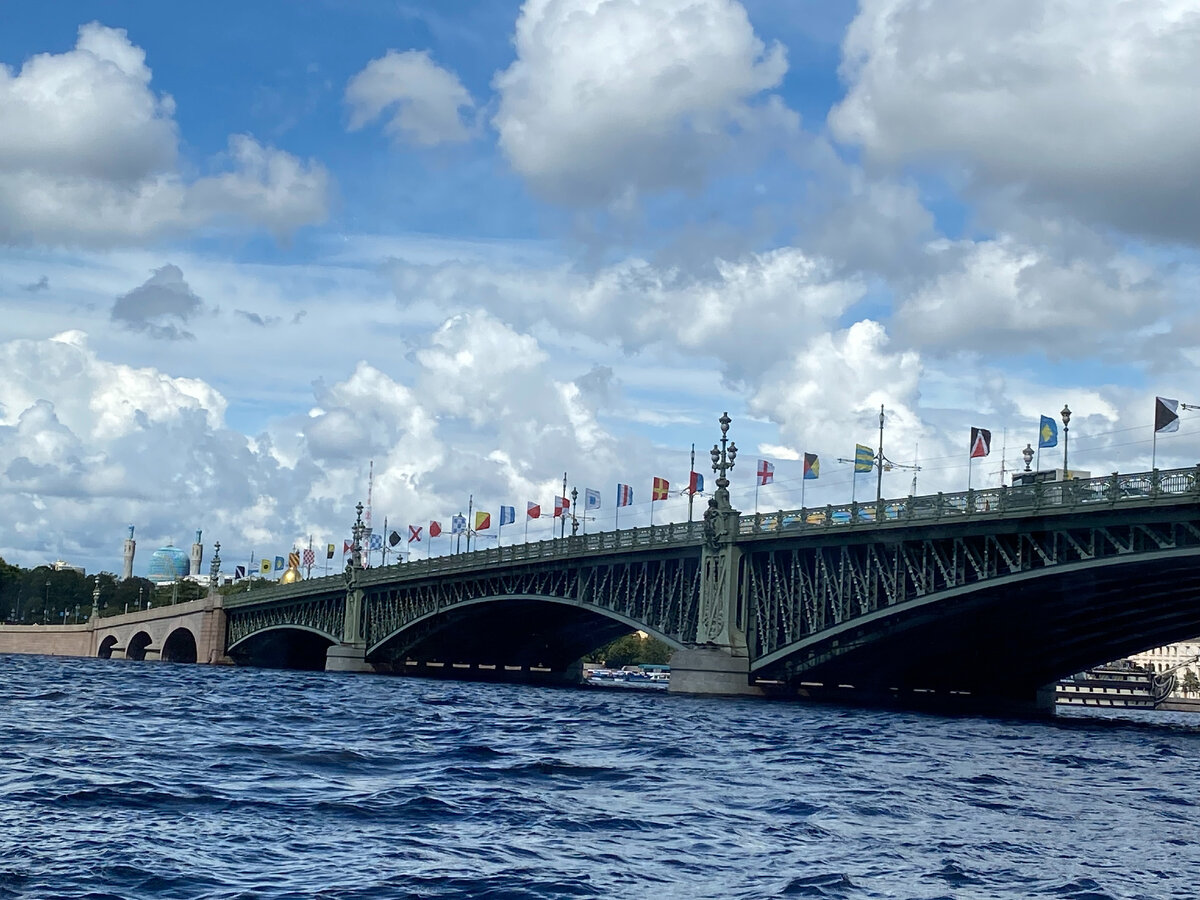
283	648
180	646
138	645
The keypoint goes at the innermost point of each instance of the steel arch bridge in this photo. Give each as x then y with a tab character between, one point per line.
998	591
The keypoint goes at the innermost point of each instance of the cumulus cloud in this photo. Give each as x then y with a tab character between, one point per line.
1006	296
160	306
1070	102
611	99
88	155
419	98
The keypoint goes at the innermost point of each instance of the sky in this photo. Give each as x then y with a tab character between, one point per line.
262	262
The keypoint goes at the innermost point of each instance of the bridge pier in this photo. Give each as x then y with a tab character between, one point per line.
711	670
347	658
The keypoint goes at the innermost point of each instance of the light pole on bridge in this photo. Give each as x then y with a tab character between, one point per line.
722	462
1066	420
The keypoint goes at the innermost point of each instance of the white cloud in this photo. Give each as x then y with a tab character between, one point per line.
1082	104
420	99
610	99
88	155
1004	296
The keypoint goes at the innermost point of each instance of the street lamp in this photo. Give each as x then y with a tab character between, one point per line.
1028	454
574	511
722	461
1066	420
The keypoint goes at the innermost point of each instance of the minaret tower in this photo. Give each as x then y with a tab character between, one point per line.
197	555
130	546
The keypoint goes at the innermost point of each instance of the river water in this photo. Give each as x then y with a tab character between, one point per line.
142	780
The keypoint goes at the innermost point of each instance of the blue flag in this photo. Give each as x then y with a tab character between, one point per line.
508	515
458	524
278	563
591	499
1047	433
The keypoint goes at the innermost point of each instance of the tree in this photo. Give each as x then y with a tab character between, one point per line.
1191	684
632	650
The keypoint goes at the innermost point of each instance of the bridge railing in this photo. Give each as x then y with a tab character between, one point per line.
1080	493
672	533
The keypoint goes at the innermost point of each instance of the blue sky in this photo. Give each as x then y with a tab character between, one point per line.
245	249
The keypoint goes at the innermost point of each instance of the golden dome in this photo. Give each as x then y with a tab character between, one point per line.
290	576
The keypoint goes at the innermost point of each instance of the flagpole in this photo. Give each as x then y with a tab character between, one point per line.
691	492
970	460
308	574
1153	448
470	513
757	479
617	512
802	478
562	532
527	522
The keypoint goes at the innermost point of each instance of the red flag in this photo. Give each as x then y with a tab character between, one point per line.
659	492
347	546
981	442
435	528
534	511
561	505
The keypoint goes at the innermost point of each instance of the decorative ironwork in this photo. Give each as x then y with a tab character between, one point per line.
791	573
322	613
800	588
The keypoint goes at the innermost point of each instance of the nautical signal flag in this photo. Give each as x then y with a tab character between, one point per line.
309	557
329	548
414	533
766	472
864	458
695	482
394	537
812	466
1166	415
561	505
591	499
278	563
239	571
458	524
508	515
264	566
981	442
435	528
293	560
377	542
1047	433
483	521
659	490
533	510
347	546
624	495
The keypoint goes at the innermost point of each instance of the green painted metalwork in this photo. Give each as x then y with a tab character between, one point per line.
798	571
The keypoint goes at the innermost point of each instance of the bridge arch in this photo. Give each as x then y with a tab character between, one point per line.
1010	635
516	629
138	645
283	647
105	650
180	646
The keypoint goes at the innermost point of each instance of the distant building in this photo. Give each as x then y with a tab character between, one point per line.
168	564
60	565
1162	659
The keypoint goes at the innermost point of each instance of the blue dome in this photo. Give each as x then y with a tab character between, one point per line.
168	564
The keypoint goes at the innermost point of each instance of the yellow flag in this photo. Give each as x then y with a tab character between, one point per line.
264	566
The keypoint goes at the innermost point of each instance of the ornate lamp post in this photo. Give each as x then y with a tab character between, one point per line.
1066	420
214	569
357	532
1028	454
96	599
722	462
574	511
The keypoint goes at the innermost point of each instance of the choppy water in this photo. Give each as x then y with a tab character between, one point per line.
135	780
